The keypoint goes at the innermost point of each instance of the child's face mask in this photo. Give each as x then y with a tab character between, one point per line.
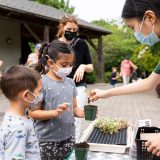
63	72
37	99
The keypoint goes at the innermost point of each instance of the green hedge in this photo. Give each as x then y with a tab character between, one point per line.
91	78
107	76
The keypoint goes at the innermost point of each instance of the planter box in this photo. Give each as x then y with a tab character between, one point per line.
112	148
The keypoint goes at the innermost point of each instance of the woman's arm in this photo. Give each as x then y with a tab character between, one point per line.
133	66
88	67
77	111
139	86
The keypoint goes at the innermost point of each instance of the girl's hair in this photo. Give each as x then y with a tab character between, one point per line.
137	8
54	51
64	21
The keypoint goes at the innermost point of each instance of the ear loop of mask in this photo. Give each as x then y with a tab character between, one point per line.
30	93
143	23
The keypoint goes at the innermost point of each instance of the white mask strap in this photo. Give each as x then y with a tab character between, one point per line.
142	23
153	28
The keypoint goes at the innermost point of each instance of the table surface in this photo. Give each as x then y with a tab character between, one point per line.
109	156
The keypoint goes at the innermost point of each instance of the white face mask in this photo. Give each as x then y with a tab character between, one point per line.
63	72
36	101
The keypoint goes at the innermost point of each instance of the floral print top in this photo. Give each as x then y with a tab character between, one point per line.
18	139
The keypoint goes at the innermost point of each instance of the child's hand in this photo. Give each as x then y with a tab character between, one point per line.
62	108
153	145
96	94
59	111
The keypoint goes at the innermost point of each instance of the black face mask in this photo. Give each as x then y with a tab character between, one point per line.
70	35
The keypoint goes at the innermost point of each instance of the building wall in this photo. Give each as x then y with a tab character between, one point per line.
10	51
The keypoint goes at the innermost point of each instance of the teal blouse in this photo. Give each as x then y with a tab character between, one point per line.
157	69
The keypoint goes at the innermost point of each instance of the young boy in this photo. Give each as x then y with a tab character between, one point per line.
22	86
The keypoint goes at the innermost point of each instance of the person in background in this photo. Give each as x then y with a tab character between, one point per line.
22	87
134	76
143	17
114	77
68	33
126	66
55	116
1	63
33	57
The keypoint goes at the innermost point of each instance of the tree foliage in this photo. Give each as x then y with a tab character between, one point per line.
59	4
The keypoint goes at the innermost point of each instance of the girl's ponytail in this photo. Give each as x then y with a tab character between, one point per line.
42	59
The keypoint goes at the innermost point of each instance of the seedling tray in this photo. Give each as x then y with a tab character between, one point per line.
115	143
98	136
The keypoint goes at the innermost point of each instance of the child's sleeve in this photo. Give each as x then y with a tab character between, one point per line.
15	143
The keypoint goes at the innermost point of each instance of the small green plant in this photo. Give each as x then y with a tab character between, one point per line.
110	125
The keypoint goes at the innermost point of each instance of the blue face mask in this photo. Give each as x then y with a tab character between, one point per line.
149	40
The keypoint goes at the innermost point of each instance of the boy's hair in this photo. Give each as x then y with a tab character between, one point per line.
54	51
18	78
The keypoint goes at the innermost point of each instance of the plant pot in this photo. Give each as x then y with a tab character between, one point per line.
90	112
81	151
69	155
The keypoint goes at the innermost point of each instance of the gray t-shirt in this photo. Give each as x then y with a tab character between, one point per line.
54	94
18	139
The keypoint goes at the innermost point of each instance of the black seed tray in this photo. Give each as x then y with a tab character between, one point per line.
98	136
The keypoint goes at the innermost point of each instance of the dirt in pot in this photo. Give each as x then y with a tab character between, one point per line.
82	145
91	106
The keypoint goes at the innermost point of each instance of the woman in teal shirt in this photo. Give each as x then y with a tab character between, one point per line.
143	17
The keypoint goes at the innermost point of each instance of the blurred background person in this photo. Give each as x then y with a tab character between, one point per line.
114	77
33	57
1	63
125	73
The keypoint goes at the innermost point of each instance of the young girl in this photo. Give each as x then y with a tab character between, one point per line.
55	117
68	33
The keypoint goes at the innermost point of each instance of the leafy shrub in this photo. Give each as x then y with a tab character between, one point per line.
91	78
107	76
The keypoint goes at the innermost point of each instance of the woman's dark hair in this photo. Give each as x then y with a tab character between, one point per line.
54	51
137	8
18	78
